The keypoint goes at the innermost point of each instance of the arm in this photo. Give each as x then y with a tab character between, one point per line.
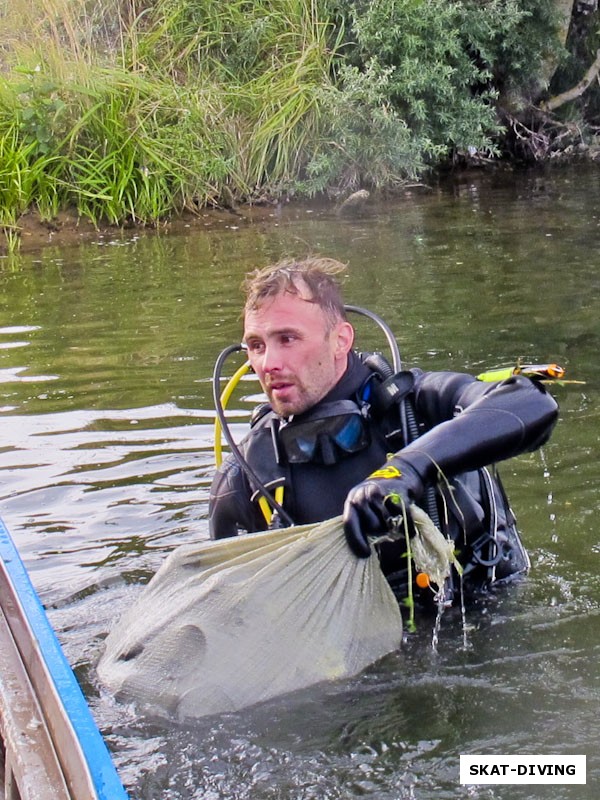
470	425
229	507
474	424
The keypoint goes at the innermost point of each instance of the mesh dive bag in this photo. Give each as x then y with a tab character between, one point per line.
229	623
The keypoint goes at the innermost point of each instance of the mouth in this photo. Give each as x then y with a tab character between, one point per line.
279	386
279	389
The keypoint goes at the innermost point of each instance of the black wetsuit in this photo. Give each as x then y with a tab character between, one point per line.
460	426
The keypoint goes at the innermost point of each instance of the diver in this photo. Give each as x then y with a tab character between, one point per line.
344	432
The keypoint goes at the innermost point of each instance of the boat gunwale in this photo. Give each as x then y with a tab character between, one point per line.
81	750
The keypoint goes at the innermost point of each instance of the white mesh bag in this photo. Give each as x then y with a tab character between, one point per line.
229	623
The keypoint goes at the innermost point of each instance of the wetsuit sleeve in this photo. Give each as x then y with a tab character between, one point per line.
468	424
230	509
473	424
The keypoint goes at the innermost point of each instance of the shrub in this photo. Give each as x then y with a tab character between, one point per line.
445	63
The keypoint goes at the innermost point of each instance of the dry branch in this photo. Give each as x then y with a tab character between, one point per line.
560	99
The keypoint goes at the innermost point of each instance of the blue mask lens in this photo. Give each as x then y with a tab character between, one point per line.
325	439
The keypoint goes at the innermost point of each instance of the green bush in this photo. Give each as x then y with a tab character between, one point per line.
363	140
445	63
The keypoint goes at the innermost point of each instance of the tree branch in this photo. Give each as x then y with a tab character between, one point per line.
576	91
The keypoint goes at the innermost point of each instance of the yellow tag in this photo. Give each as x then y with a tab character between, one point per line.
386	472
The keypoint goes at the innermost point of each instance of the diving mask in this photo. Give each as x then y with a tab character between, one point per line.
323	436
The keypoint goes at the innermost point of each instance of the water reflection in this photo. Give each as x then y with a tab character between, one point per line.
106	356
87	485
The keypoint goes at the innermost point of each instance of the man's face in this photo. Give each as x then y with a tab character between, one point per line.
298	358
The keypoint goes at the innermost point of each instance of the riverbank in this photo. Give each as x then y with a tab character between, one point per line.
194	105
68	228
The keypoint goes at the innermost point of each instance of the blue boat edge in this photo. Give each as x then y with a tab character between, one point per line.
102	771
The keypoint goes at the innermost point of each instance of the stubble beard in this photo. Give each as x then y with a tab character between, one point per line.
305	397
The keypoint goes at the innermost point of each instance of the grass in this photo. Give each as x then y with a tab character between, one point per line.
133	111
136	110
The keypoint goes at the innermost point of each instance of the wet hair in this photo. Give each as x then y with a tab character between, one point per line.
319	275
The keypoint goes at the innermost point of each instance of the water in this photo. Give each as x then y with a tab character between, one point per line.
106	357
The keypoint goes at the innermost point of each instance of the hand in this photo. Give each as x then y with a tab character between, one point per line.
370	505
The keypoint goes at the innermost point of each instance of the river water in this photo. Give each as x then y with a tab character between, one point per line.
106	457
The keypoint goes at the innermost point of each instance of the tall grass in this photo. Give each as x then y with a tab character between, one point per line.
77	30
270	61
135	110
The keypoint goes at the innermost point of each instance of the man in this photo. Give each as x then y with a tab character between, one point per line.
342	435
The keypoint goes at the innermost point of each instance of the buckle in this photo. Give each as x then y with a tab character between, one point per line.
495	553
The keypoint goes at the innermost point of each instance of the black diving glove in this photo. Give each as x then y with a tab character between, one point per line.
383	496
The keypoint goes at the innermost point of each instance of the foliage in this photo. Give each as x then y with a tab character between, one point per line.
515	39
27	167
445	63
270	60
118	146
186	114
143	149
136	109
364	141
235	39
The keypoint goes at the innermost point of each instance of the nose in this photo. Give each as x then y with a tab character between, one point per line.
271	358
264	359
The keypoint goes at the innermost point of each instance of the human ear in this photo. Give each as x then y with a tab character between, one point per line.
344	338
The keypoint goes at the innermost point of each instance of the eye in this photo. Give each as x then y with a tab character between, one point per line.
255	346
288	338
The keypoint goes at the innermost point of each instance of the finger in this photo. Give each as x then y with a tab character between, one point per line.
373	509
396	505
357	541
